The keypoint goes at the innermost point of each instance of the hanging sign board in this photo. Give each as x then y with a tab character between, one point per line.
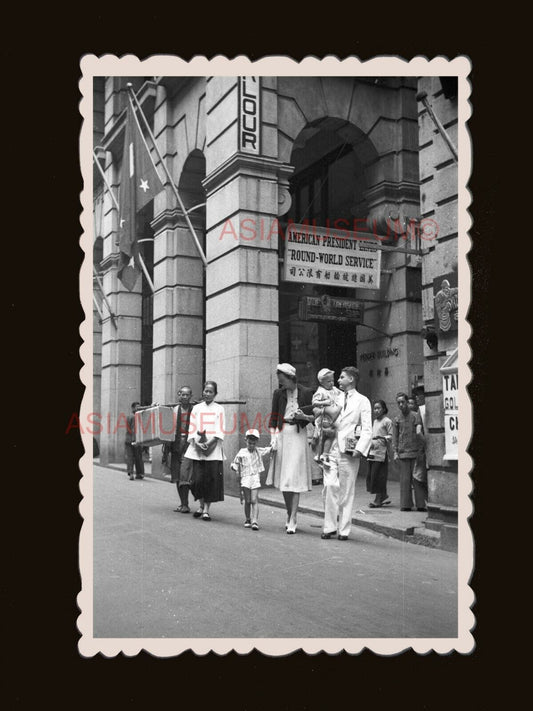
450	396
329	308
321	255
249	114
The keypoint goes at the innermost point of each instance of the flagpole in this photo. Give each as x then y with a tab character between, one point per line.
141	261
95	158
113	317
423	97
100	312
146	274
172	185
144	139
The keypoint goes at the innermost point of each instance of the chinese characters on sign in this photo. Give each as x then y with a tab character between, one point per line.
320	255
249	114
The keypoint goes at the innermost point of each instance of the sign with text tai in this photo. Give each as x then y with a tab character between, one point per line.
450	395
321	255
249	114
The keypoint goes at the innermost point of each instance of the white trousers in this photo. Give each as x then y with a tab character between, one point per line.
339	492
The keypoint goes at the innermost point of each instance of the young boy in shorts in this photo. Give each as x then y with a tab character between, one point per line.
248	463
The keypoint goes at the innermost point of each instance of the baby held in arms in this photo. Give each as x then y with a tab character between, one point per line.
326	408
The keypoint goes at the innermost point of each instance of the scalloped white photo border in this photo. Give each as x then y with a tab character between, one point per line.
168	65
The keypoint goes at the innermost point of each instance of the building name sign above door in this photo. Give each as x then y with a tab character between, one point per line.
329	308
321	255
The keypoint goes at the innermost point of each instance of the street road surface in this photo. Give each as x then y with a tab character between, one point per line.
168	575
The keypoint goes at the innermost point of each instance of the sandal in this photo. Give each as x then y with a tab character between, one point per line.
206	517
198	513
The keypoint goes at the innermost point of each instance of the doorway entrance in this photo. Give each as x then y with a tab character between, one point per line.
327	189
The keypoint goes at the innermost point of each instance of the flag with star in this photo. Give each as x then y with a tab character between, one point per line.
139	184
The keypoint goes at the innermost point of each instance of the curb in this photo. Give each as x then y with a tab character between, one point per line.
411	534
401	534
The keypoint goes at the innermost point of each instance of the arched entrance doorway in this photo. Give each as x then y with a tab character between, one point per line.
328	189
193	196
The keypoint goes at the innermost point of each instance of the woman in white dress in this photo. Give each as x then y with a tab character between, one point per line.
292	411
206	433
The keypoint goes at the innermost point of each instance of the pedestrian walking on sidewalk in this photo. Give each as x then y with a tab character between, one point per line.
248	463
345	457
290	469
378	456
420	472
206	433
133	452
181	469
407	438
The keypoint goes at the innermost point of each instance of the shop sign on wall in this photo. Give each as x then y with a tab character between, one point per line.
329	308
380	355
249	114
450	395
321	255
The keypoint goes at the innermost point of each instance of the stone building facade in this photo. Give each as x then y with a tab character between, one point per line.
439	202
249	156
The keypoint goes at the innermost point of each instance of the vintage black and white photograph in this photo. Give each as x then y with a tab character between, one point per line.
275	352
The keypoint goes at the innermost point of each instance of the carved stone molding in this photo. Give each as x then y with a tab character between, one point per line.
392	205
284	200
110	261
171	218
245	164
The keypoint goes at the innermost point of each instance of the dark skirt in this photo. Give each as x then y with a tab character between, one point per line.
376	480
207	480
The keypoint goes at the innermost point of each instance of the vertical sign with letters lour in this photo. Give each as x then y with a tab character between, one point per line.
249	114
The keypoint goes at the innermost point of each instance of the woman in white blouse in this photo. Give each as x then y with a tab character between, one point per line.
379	455
206	433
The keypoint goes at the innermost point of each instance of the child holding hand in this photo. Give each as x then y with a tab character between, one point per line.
248	463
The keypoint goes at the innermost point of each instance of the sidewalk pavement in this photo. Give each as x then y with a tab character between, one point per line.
388	520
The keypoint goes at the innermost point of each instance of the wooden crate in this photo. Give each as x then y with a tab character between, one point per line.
155	425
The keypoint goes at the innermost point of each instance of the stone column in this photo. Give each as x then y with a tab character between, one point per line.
242	253
178	311
391	365
438	175
121	344
97	363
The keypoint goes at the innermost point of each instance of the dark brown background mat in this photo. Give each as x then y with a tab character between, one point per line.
41	135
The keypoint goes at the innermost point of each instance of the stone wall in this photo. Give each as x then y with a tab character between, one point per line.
438	178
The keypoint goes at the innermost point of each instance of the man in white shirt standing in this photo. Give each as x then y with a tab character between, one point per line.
339	481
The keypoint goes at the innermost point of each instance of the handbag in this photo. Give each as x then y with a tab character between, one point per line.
269	481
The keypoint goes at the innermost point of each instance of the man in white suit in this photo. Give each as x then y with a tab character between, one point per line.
339	480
